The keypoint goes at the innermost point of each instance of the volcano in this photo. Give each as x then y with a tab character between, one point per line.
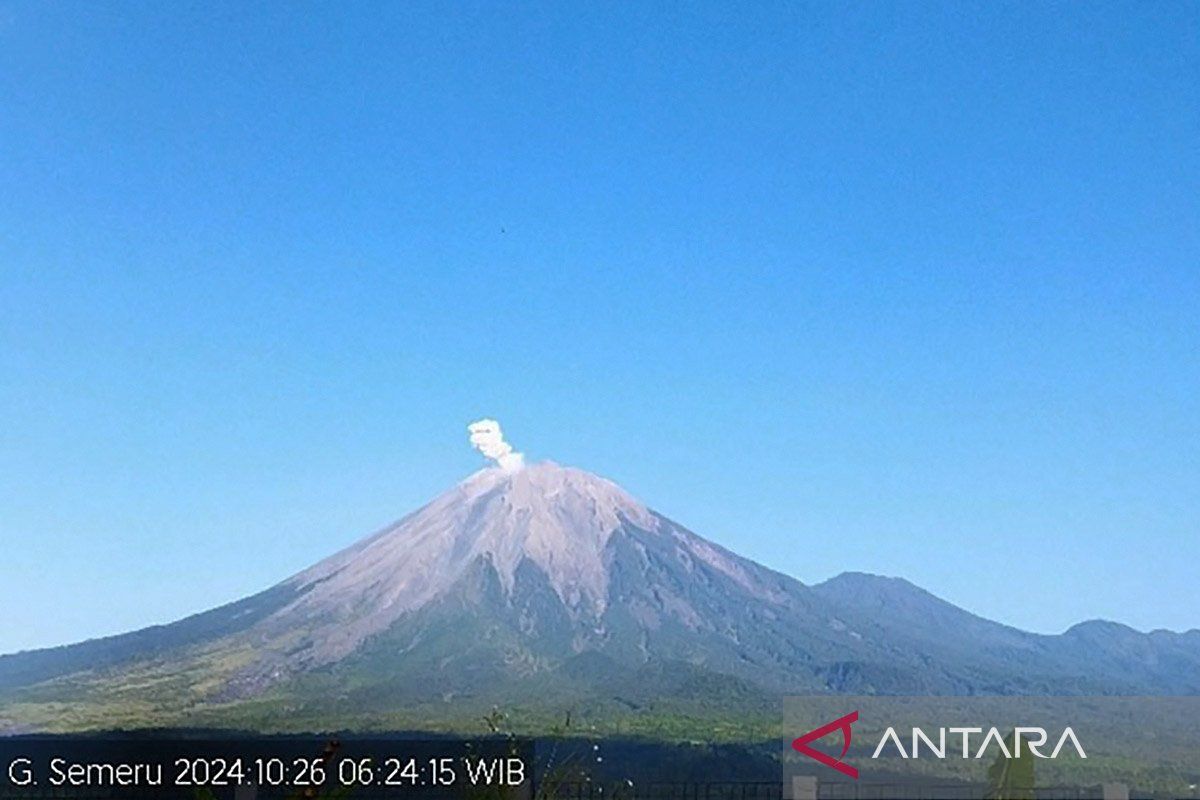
549	588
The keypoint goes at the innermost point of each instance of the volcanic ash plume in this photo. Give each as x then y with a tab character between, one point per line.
487	438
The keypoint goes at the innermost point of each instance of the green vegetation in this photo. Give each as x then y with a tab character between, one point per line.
1012	777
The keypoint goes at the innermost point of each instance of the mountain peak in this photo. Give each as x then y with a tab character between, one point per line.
545	504
867	585
557	518
547	482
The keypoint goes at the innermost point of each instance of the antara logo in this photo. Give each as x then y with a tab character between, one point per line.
992	741
801	744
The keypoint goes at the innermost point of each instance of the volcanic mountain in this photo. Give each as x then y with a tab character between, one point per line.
547	588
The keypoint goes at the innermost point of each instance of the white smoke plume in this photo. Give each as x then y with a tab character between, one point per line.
487	438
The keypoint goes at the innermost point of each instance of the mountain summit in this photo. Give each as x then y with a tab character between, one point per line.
558	560
556	521
551	588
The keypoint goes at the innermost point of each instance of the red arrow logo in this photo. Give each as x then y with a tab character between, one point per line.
801	745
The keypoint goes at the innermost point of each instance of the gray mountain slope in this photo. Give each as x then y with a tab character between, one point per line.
37	666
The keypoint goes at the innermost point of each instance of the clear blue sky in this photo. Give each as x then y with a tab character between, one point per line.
897	287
